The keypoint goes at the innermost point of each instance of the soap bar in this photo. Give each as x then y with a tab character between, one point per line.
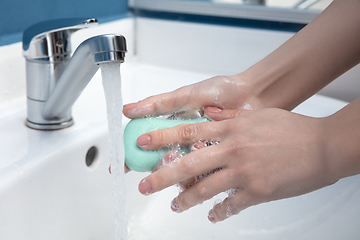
141	160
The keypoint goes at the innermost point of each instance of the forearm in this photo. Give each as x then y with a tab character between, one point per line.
343	141
315	56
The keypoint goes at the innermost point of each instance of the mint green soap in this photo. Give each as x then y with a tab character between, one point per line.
141	160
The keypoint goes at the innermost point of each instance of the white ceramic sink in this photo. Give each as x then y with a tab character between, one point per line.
48	192
46	189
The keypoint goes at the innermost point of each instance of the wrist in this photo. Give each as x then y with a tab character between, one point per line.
342	141
270	85
247	83
331	155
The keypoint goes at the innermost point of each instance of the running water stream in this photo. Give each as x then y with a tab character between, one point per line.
112	86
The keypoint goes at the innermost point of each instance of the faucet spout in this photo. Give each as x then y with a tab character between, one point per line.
79	71
54	79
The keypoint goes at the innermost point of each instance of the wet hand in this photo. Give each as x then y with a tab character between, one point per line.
226	96
263	156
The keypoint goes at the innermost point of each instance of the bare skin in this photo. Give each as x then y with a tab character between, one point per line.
265	153
264	156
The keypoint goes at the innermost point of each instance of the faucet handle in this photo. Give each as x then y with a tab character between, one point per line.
50	40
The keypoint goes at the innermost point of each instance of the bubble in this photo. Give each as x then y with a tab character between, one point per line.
233	191
216	99
180	187
184	114
174	206
217	201
176	153
229	211
246	106
169	158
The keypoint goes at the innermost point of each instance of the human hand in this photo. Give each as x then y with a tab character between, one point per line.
219	98
263	156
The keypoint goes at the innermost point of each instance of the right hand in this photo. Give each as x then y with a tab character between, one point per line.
219	98
263	156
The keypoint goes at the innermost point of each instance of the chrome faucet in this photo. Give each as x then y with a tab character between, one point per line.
55	79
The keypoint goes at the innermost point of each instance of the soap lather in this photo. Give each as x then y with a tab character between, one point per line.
141	160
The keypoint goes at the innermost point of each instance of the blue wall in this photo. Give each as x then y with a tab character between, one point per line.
17	15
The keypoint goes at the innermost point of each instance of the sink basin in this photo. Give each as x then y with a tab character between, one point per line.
48	191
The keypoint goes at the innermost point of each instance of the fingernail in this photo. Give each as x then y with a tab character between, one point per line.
145	187
211	217
170	158
143	140
214	109
126	169
197	146
174	206
129	105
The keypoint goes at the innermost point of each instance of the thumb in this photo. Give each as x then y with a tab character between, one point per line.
218	114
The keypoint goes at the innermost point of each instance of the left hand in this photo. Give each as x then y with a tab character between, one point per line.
219	98
262	156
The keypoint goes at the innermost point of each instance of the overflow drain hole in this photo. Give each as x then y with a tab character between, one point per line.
91	156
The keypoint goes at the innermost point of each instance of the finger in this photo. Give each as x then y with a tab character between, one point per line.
184	134
126	168
161	104
232	205
203	190
172	156
189	182
167	159
191	165
218	114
